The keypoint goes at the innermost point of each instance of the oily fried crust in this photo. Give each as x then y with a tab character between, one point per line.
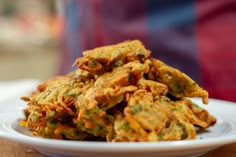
118	93
148	119
108	90
102	59
51	109
179	84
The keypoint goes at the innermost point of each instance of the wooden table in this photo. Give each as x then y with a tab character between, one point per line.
14	149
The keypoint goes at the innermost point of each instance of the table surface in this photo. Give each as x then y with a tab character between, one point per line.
14	149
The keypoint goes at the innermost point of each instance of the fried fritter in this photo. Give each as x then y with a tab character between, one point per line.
103	59
51	108
156	88
147	118
179	84
108	90
118	93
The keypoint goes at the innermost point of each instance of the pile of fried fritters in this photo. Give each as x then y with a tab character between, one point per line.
118	93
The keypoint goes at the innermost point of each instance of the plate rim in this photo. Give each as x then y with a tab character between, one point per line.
124	146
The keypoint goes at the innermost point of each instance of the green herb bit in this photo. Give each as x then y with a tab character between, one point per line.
71	94
160	135
50	114
34	117
99	128
126	127
136	108
180	125
93	63
118	63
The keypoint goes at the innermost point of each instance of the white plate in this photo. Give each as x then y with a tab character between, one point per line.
224	132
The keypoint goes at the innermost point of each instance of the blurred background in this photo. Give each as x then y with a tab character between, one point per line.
29	33
40	39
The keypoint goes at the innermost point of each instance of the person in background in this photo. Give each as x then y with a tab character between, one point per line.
195	36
